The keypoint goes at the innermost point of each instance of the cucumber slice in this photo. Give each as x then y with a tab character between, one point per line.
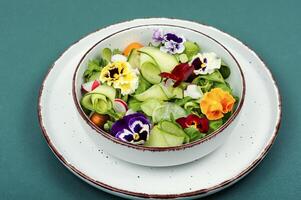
173	129
106	90
178	93
145	58
165	61
100	103
167	91
173	140
86	102
172	92
143	85
96	102
134	58
160	138
151	72
156	138
149	106
154	92
165	111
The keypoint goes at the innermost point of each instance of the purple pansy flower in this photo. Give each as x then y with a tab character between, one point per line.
158	35
133	128
171	43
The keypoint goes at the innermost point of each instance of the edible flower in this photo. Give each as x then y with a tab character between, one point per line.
171	43
205	63
133	128
134	45
118	57
216	103
200	123
180	73
158	35
121	76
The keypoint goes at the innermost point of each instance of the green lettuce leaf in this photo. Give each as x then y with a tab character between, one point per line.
193	133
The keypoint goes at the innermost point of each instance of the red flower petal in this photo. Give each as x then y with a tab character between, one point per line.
203	126
168	75
180	73
182	122
201	123
183	70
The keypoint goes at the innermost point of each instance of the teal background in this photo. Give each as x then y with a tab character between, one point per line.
34	33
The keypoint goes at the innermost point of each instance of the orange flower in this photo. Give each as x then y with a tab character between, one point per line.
216	103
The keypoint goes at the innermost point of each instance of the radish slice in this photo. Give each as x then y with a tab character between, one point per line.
90	86
120	105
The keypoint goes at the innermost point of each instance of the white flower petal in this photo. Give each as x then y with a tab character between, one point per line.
193	91
180	49
118	57
213	62
164	49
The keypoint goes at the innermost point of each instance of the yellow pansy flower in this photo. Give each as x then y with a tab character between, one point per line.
121	76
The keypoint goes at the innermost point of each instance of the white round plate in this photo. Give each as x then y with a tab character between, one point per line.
78	151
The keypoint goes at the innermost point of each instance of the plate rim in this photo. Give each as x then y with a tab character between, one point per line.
208	190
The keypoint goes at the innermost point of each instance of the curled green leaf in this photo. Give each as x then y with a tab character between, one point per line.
106	54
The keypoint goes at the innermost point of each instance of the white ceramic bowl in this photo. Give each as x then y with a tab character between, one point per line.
161	156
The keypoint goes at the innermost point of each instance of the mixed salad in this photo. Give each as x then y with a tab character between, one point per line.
163	94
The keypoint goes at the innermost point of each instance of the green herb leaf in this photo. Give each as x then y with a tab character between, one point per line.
226	117
225	71
106	54
116	51
181	102
108	125
94	68
193	133
204	84
224	86
189	106
214	125
125	97
215	76
93	76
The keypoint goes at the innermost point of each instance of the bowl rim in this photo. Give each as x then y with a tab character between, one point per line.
156	149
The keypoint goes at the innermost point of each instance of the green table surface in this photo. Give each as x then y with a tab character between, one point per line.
33	33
